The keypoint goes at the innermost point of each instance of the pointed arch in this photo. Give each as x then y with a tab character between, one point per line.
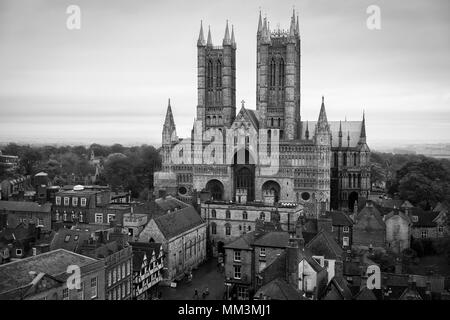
281	73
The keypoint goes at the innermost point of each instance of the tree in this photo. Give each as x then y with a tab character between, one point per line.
29	159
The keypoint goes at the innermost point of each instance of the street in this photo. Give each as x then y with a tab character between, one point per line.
206	276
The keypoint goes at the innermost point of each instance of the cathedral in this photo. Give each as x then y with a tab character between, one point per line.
268	156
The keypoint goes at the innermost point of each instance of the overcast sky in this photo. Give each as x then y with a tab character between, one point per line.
109	81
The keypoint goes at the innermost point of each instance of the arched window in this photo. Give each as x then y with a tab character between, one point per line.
336	160
213	213
209	72
227	229
281	73
271	122
208	120
213	228
354	159
227	214
272	73
279	122
219	74
244	215
262	216
345	159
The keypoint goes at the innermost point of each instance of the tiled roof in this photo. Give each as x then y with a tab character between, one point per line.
244	242
339	218
277	239
16	274
25	206
70	240
370	212
279	289
177	222
338	289
170	203
425	218
324	244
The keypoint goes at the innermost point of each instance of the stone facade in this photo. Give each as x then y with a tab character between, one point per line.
268	150
398	231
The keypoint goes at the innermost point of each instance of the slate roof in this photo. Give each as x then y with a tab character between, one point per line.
425	218
339	218
15	274
75	239
277	239
279	289
244	242
324	244
25	206
370	211
348	127
170	203
338	289
177	222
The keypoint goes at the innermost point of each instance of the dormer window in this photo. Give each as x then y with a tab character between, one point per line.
415	218
83	202
58	201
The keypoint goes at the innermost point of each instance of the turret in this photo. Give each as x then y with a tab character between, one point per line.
340	133
169	134
233	41
209	43
322	130
226	39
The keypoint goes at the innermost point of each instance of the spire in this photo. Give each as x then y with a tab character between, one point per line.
307	131
201	38
169	122
297	29
209	43
233	42
226	39
348	138
323	114
292	29
340	128
363	126
260	27
265	32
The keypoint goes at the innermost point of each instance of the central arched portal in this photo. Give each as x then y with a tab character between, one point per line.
215	187
244	173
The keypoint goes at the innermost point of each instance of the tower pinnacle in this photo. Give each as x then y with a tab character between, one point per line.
209	43
233	41
201	38
226	39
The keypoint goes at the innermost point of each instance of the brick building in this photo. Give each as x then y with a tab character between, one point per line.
26	212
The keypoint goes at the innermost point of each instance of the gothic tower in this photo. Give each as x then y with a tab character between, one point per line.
216	67
278	78
169	135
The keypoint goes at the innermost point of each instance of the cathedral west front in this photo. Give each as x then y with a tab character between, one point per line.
254	160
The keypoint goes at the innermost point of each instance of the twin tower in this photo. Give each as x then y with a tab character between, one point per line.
277	79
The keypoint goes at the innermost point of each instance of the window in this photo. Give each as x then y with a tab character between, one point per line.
18	252
123	290
244	215
40	222
228	214
93	288
415	218
242	293
65	216
440	229
111	217
58	201
262	252
109	278
67	238
129	289
129	267
66	201
346	229
65	294
83	202
99	218
237	272
213	213
227	229
424	234
237	255
213	228
345	241
74	201
123	271
262	216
